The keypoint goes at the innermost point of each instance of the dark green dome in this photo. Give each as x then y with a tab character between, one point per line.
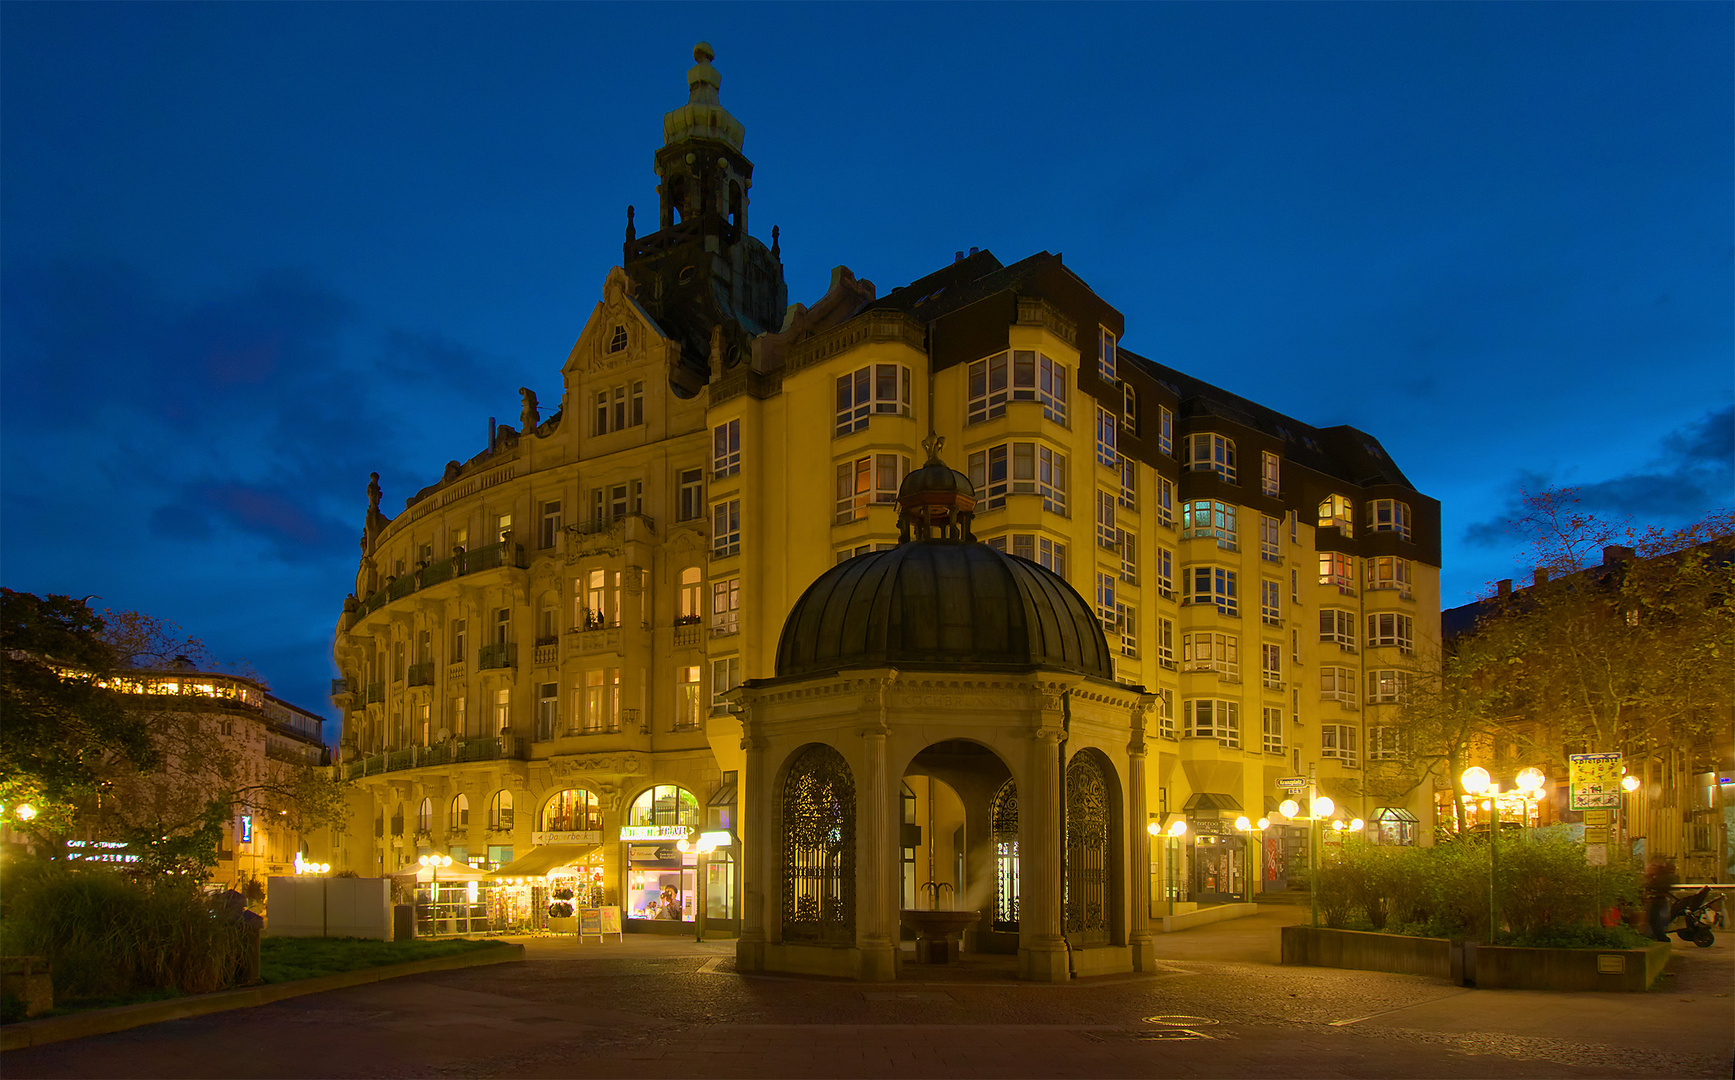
942	604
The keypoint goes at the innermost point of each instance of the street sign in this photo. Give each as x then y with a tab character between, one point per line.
1292	785
1593	781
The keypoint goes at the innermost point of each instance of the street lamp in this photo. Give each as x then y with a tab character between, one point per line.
433	863
1177	829
1248	828
1476	781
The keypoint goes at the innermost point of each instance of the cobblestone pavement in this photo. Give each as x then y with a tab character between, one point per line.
663	1007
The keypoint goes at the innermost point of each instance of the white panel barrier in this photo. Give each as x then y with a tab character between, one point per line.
328	907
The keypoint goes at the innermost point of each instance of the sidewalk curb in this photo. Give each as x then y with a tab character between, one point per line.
103	1021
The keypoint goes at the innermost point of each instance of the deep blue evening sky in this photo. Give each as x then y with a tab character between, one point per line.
252	252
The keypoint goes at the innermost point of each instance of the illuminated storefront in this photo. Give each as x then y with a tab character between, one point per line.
662	879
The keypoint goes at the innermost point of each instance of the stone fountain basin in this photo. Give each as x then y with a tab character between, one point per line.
937	923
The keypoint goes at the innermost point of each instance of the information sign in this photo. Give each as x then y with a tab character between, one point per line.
598	922
1593	781
1292	785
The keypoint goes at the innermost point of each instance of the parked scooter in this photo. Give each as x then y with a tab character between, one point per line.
1698	912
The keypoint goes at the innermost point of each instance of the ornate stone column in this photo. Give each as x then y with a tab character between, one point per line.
876	854
1140	938
1042	952
756	837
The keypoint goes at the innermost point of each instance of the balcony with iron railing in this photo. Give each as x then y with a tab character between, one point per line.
497	748
421	674
491	557
501	654
373	693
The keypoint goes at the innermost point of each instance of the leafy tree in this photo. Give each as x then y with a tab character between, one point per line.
166	772
63	729
1601	656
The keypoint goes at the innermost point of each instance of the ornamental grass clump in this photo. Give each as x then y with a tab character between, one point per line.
110	935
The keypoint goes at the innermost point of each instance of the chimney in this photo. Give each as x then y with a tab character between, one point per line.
1616	553
1540	577
958	256
1503	588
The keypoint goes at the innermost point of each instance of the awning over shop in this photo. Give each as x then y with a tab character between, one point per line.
455	872
538	861
1393	813
1272	806
1210	802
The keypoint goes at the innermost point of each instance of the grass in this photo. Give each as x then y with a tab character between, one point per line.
285	959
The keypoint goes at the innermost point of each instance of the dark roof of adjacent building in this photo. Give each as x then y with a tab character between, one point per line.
942	604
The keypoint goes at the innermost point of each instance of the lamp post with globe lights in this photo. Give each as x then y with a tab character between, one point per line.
1319	808
433	863
1247	828
1177	829
1476	781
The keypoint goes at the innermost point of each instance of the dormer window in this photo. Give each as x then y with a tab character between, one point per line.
617	341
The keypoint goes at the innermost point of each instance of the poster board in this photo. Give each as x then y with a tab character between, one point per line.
1594	781
599	922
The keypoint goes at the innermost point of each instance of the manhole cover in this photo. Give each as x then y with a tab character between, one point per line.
1180	1021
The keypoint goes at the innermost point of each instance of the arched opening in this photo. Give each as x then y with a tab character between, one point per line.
662	879
819	849
460	814
1003	829
572	810
500	812
676	208
1088	881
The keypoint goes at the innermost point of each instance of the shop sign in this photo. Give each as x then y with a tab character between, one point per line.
246	828
592	837
714	839
1292	785
109	851
1206	825
1593	780
655	832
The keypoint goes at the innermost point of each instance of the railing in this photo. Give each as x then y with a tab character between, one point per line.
546	654
500	655
421	674
490	557
339	686
312	755
687	633
592	526
374	693
630	719
448	753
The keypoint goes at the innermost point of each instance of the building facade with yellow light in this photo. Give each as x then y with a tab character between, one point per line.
541	653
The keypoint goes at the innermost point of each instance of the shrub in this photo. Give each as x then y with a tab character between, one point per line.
107	934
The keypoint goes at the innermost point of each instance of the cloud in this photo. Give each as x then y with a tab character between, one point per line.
1693	473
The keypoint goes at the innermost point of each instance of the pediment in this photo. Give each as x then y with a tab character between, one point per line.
618	331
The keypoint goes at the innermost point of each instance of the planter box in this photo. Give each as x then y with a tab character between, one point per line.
1486	967
1363	950
1509	967
563	925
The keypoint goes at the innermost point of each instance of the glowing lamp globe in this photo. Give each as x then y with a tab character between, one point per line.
1629	782
1264	823
1154	829
1179	828
1476	779
1289	808
1530	781
1242	823
1323	806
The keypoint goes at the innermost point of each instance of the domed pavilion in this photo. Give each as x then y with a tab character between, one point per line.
946	681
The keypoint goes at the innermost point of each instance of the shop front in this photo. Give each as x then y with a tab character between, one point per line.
543	890
452	899
1219	853
661	891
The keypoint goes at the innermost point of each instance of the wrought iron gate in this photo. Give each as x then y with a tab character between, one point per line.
819	849
1087	845
1003	827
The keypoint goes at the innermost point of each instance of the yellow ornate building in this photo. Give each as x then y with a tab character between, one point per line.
538	655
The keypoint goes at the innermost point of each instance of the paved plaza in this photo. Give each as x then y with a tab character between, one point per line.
1219	1006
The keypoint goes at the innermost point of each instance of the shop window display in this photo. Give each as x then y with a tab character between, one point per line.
662	880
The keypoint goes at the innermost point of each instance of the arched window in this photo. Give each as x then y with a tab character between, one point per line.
572	810
500	811
1003	831
460	817
1130	408
425	817
819	849
1087	849
665	804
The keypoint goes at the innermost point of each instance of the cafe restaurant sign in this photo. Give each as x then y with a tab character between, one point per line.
655	832
592	837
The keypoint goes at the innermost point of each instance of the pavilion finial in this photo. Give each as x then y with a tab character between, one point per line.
932	445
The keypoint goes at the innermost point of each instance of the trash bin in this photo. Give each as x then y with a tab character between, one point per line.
403	922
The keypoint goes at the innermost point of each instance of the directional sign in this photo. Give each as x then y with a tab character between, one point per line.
1293	785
